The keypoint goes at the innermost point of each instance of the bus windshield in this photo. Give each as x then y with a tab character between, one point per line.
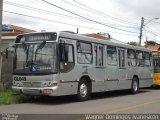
35	58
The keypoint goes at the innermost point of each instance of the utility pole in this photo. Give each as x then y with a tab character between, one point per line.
1	14
77	30
146	42
141	30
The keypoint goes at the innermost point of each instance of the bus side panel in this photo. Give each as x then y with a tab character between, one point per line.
111	77
123	69
67	88
70	85
126	84
145	78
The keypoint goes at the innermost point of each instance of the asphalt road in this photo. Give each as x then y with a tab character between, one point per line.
147	101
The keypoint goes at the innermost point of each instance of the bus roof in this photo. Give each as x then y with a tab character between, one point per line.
100	41
84	38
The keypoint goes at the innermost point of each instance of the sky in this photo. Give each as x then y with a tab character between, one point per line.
120	18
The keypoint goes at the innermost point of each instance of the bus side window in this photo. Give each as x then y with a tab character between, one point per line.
66	58
139	56
131	57
100	55
84	53
95	52
121	56
111	55
68	53
147	62
98	50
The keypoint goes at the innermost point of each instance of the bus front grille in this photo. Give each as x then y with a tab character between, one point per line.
32	84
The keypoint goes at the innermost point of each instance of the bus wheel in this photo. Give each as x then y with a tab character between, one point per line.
83	90
135	86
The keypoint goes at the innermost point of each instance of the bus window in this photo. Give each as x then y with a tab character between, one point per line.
21	57
68	53
100	56
96	56
121	55
139	55
147	62
131	58
67	58
123	58
111	55
156	64
84	53
98	49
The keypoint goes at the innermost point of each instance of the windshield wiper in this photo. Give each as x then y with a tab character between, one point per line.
25	48
39	47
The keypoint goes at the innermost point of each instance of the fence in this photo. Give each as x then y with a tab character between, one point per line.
6	75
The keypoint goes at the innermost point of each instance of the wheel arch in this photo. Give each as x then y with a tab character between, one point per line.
136	76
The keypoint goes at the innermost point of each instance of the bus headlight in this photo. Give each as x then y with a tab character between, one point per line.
47	84
50	84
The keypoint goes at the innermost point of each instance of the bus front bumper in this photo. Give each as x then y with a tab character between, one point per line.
50	91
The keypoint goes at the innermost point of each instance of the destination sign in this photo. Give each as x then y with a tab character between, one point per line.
36	37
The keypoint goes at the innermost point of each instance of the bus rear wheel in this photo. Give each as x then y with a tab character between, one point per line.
135	86
83	90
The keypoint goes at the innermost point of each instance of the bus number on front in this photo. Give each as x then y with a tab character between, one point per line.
19	78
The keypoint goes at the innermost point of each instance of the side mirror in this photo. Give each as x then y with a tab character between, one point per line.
6	50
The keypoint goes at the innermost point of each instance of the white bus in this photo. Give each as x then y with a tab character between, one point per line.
61	63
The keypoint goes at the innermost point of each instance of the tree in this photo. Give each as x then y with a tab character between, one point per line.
151	43
132	43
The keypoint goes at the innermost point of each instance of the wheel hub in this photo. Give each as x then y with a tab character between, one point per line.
83	90
135	86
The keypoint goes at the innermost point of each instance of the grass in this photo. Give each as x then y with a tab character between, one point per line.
8	97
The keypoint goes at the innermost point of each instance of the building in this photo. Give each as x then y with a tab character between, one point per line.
154	48
103	36
9	33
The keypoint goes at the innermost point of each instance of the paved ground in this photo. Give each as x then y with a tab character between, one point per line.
146	101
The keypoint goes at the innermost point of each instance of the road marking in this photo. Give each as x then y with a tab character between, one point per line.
131	107
125	108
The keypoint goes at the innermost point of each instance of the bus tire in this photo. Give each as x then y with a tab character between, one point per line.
83	90
135	85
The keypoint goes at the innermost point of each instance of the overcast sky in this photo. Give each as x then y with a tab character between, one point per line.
120	18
